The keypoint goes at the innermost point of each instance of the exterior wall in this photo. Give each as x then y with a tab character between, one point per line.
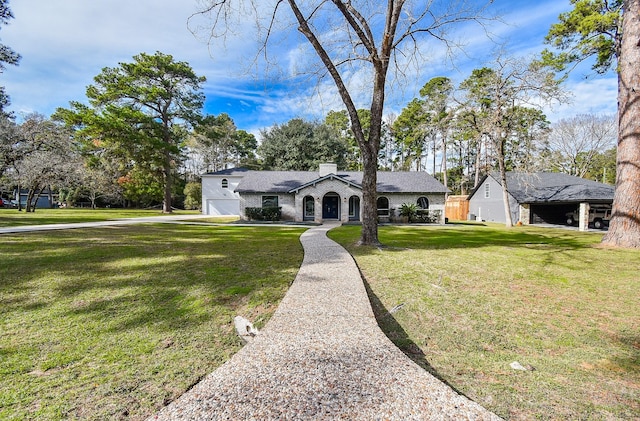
217	200
293	205
254	200
436	202
344	190
491	208
43	201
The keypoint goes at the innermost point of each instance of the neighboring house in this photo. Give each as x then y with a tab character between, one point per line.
47	199
537	197
316	196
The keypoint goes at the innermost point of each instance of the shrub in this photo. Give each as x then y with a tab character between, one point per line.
271	213
409	210
429	216
193	193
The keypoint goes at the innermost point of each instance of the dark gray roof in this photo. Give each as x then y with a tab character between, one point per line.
274	181
388	182
546	187
230	171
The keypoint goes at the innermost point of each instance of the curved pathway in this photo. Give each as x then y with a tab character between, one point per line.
322	356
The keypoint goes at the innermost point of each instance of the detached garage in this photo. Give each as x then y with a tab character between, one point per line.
541	198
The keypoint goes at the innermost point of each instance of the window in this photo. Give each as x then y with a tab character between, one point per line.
269	201
487	191
423	203
354	208
383	206
309	208
225	183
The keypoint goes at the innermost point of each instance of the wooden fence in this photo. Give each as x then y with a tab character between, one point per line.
457	208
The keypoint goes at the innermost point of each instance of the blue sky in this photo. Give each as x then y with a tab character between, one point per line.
66	43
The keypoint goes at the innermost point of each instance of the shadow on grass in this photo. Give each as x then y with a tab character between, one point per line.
400	338
453	237
165	276
466	236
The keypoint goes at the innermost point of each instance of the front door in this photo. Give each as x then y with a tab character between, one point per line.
330	207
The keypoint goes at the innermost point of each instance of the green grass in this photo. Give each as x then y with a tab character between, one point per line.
13	217
477	298
115	322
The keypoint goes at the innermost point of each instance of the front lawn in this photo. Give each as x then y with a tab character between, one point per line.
13	217
469	300
113	323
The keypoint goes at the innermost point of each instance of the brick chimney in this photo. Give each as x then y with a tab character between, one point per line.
326	169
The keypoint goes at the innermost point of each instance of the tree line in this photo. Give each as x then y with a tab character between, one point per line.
138	146
157	101
141	139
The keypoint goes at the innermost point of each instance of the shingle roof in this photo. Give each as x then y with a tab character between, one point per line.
230	171
388	182
545	187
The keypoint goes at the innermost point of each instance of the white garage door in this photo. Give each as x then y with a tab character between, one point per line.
223	207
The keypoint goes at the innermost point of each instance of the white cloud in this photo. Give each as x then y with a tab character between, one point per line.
590	96
65	43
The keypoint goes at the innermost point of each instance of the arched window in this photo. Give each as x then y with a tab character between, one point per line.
383	206
354	208
309	208
423	202
225	183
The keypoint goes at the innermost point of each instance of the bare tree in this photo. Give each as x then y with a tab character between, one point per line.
578	141
353	35
47	158
498	96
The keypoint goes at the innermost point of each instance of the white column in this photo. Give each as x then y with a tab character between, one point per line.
525	213
584	217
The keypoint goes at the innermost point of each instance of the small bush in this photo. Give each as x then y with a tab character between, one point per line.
429	216
409	210
263	214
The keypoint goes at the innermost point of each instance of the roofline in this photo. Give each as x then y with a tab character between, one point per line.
567	202
475	189
321	179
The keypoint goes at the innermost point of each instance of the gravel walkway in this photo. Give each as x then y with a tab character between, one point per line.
322	356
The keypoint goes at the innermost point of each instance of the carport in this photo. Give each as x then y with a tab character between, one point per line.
539	198
557	213
551	213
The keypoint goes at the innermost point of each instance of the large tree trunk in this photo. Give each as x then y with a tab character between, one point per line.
30	195
370	150
168	179
369	233
32	199
624	229
508	221
478	162
445	181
